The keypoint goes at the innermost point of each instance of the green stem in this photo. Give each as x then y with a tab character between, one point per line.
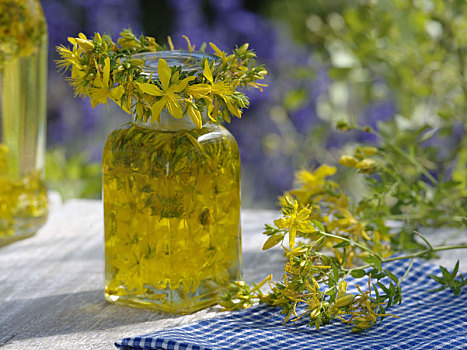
411	256
403	154
351	242
415	217
406	272
424	240
415	255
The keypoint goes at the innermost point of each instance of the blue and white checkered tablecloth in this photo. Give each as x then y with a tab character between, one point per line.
426	321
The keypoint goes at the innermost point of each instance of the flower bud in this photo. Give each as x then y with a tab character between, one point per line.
243	48
342	125
136	62
365	164
348	161
369	151
344	301
86	45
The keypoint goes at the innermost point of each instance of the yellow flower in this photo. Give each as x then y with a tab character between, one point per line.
223	90
171	85
296	220
132	266
71	58
102	89
313	182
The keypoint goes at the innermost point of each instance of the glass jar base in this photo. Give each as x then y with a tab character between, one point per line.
22	228
165	303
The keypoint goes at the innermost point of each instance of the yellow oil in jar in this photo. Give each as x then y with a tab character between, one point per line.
172	216
23	197
23	203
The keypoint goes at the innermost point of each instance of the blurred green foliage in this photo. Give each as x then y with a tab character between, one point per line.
412	52
72	176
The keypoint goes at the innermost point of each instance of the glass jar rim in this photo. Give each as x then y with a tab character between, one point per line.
189	61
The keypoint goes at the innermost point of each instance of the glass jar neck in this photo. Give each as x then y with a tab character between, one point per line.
169	122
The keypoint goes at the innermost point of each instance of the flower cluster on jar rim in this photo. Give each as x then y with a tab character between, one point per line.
103	70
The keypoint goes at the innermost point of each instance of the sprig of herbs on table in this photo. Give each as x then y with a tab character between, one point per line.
327	238
104	70
325	235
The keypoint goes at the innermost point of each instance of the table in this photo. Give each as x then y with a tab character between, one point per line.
51	285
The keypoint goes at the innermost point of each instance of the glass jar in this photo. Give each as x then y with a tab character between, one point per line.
23	75
172	214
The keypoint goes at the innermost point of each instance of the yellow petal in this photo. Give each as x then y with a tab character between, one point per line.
216	49
292	234
195	116
98	82
171	45
234	110
174	108
325	170
303	214
106	71
199	90
175	77
86	45
190	48
181	85
157	107
306	227
97	97
210	109
281	223
164	73
207	72
150	89
117	92
219	53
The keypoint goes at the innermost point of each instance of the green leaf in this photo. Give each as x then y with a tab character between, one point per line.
384	288
391	276
335	272
342	244
273	240
437	279
358	273
456	269
447	276
437	289
318	225
376	292
373	261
